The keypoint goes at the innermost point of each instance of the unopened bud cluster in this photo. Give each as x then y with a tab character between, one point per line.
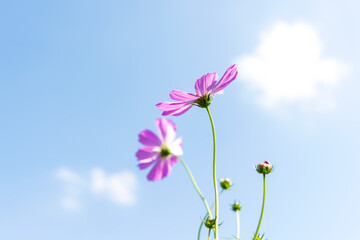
264	168
225	183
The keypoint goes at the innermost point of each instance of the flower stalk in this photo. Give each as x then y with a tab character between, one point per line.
236	208
262	209
196	187
214	178
237	225
206	215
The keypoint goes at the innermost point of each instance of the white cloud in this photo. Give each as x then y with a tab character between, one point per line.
72	188
288	68
119	188
67	175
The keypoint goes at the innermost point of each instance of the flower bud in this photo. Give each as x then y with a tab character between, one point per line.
264	168
236	207
210	223
225	183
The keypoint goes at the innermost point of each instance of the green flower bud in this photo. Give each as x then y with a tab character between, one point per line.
236	207
264	168
210	223
225	183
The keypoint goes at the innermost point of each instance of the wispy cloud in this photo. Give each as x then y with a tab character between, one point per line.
120	188
288	68
73	186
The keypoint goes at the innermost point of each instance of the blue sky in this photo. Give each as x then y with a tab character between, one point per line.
79	81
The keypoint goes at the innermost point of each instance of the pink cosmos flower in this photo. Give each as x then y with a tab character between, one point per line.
160	152
206	87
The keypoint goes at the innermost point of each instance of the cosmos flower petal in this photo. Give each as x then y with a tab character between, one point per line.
149	138
177	112
182	111
180	95
226	79
166	129
170	106
156	172
202	84
166	168
210	78
173	108
146	164
198	83
173	160
147	160
176	147
145	152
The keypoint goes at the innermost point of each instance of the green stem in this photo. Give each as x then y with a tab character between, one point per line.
214	179
262	210
199	232
202	222
196	186
237	225
209	233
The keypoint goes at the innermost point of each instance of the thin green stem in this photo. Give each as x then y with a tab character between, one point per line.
209	233
214	179
196	186
199	232
262	210
206	215
237	225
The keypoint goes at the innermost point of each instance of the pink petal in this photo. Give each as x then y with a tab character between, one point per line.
167	129
202	84
168	165
149	138
226	79
173	159
179	95
174	108
162	168
156	172
146	157
169	106
145	153
166	169
177	112
145	165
